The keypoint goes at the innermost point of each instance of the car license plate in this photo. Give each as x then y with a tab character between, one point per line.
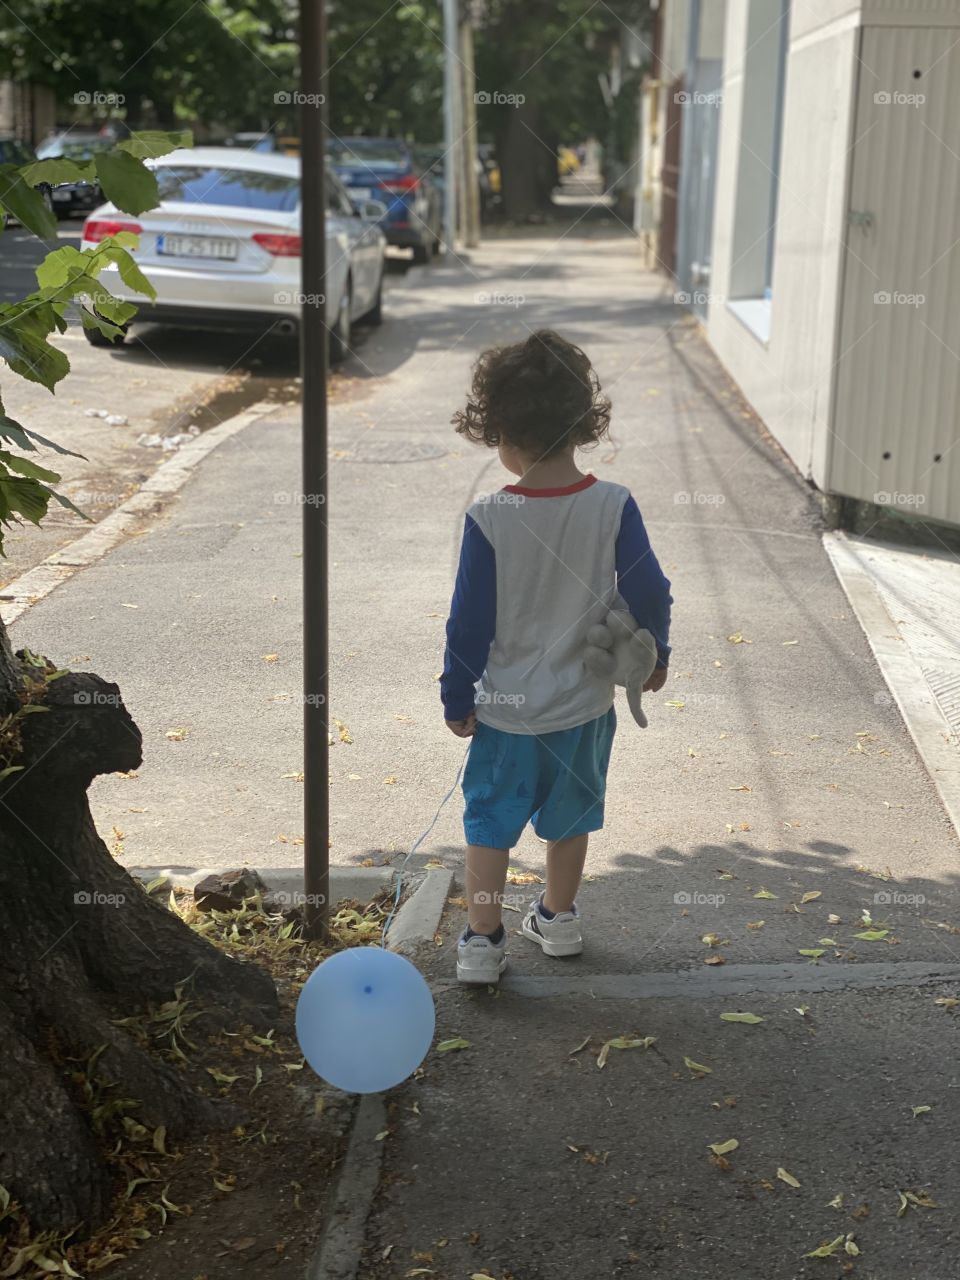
61	195
196	247
361	193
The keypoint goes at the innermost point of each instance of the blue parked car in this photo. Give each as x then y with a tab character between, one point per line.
385	169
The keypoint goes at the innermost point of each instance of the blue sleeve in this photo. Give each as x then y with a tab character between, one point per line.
640	580
472	621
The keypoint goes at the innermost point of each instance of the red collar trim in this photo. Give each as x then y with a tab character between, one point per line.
585	483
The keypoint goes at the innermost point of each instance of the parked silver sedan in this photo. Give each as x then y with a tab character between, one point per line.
223	248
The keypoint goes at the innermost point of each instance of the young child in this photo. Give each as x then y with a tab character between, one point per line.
541	562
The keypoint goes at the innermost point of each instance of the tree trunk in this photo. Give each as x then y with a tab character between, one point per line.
83	946
522	158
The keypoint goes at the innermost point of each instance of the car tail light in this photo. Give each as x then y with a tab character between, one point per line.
279	246
400	185
96	229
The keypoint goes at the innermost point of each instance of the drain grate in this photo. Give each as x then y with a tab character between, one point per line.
388	451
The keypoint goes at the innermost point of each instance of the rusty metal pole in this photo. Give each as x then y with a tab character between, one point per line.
313	352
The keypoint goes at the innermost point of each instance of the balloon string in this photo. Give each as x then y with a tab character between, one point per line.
416	845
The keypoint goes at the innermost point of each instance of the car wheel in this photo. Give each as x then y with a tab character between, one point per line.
98	339
340	333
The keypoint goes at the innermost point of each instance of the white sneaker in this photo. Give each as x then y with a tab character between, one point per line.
480	962
560	936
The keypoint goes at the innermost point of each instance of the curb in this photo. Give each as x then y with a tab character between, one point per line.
344	1236
920	710
17	596
341	1245
417	920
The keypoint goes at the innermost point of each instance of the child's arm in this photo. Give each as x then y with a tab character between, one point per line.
470	627
641	582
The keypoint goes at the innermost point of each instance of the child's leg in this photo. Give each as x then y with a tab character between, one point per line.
486	878
565	859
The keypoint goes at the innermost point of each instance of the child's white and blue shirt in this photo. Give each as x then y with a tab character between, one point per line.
538	568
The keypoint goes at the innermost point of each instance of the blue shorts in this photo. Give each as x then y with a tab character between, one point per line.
556	780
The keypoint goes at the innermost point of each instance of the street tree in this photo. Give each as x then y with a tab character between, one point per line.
539	67
167	61
84	945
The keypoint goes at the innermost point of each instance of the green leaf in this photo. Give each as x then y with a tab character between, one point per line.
814	952
65	502
788	1178
24	329
23	438
872	935
152	143
698	1067
723	1148
56	171
920	1111
764	893
126	182
24	467
741	1017
220	1077
448	1046
22	497
826	1250
130	273
59	265
26	205
622	1042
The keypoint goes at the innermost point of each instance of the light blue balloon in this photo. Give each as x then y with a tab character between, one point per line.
365	1019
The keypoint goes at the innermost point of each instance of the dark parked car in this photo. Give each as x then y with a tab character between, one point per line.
74	197
13	151
384	169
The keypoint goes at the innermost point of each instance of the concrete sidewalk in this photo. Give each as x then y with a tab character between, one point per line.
771	802
908	603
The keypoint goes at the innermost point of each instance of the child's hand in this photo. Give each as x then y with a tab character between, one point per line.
465	728
657	680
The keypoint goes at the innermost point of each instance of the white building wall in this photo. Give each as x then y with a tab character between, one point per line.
787	378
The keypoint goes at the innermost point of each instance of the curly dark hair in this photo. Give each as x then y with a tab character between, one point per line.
541	396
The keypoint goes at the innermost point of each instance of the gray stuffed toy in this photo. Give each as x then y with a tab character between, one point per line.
620	650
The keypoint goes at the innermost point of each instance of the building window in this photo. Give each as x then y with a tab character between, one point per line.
758	163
